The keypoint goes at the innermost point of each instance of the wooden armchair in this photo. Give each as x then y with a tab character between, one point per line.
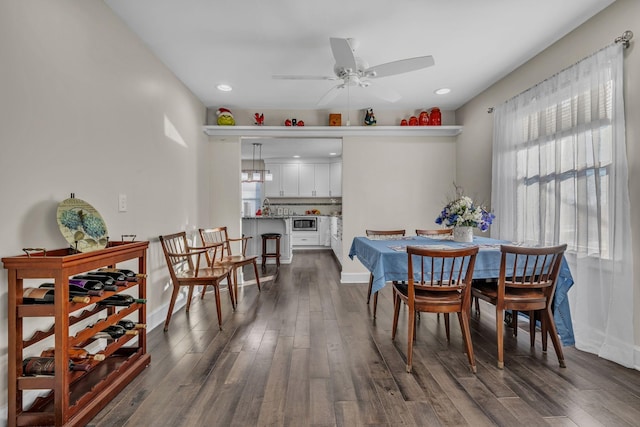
380	234
183	262
438	281
225	257
527	282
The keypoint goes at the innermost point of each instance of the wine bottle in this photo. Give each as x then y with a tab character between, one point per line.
129	324
121	300
75	290
114	332
93	284
46	296
46	366
106	280
119	279
128	273
75	353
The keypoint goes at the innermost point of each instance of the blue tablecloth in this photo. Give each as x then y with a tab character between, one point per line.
387	261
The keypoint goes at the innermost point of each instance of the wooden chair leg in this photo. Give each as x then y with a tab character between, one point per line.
370	285
255	271
550	327
532	328
172	303
499	336
189	297
204	290
234	299
218	306
446	325
410	336
466	338
235	283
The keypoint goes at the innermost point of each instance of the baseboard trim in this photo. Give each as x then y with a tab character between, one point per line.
348	278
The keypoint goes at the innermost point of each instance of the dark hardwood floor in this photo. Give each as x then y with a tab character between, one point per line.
306	352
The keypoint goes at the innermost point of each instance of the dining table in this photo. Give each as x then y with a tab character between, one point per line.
386	259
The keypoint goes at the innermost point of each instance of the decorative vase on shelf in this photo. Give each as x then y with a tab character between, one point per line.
463	234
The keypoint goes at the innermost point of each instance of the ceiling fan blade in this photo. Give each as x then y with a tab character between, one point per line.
301	77
330	95
343	53
399	67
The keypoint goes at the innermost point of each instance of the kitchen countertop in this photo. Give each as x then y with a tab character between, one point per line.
284	216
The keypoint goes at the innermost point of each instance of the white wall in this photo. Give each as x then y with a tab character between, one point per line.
392	183
86	108
474	144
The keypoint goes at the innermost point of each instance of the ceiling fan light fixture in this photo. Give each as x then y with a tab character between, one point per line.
224	87
442	91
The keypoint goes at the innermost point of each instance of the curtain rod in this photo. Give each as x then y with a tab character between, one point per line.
625	39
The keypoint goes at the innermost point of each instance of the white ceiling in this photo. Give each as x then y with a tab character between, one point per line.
243	43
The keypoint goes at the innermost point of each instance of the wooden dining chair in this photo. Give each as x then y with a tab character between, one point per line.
442	232
380	234
185	269
527	282
438	281
225	257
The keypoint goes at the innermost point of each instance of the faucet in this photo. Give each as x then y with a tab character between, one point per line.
266	207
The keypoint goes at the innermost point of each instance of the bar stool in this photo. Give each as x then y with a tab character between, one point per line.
276	238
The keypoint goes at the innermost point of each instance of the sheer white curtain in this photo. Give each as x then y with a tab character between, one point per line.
560	176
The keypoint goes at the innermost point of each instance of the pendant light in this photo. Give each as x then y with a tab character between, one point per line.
253	174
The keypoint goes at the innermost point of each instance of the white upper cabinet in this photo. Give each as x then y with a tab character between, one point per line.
285	180
314	180
304	180
290	185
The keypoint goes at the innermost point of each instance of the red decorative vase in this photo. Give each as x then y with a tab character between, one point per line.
403	122
435	118
423	119
287	122
413	121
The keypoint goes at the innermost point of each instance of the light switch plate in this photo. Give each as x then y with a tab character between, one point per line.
122	203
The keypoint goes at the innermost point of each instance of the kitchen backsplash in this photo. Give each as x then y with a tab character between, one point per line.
298	206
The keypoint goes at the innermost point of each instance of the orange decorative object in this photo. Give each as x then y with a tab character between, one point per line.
423	119
413	121
435	118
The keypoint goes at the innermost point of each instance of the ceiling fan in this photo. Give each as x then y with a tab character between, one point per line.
353	71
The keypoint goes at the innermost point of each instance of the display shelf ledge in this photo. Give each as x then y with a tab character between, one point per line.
330	131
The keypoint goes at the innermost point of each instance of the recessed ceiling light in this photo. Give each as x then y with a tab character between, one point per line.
442	91
296	156
224	88
332	154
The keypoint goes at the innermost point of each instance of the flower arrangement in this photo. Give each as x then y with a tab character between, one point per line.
462	212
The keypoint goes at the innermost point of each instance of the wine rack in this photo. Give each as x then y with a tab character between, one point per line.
75	396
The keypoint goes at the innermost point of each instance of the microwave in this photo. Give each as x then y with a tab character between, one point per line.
305	223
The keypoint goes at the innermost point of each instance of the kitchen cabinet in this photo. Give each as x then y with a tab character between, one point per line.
298	180
74	396
285	180
313	180
336	237
335	179
324	230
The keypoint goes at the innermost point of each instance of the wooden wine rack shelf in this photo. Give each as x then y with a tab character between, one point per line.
75	397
